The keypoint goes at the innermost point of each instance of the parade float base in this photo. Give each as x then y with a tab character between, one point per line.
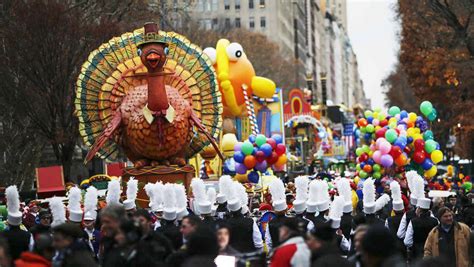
165	174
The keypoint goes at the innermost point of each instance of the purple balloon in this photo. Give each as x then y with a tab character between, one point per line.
240	168
386	160
238	146
261	166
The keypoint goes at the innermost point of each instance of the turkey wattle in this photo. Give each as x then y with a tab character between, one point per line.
151	93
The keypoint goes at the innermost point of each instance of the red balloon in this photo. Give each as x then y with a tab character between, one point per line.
407	150
260	156
419	145
273	158
272	142
383	123
395	151
363	157
419	156
250	161
280	149
380	133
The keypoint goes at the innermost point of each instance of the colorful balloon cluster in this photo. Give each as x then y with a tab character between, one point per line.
259	153
397	141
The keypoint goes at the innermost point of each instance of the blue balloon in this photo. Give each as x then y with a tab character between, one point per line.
427	164
438	147
371	162
252	138
267	149
367	136
409	140
254	151
239	157
370	119
403	114
278	139
253	177
362	165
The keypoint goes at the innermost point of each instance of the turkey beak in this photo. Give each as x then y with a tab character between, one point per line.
153	59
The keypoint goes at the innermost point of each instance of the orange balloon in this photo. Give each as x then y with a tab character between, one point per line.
367	168
281	160
410	124
401	160
250	161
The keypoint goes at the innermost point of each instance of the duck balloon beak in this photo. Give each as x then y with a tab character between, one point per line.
153	59
263	87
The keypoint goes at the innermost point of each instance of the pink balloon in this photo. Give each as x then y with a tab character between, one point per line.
378	142
375	122
377	156
385	147
372	147
397	117
386	161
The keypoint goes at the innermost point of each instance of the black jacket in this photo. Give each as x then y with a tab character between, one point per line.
171	231
241	233
18	240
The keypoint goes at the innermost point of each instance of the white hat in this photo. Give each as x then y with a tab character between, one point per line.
203	205
220	198
423	203
225	184
132	191
381	202
14	216
75	216
113	193
335	212
369	196
344	189
347	174
155	194
244	210
311	206
397	202
90	203
234	204
243	196
169	202
277	190
181	201
301	184
322	195
214	210
416	185
90	215
58	211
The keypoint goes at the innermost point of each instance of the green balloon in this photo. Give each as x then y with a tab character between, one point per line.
430	146
426	107
247	148
260	140
394	111
370	128
366	148
377	110
377	175
359	151
362	174
432	116
363	130
428	135
391	135
376	168
358	167
368	113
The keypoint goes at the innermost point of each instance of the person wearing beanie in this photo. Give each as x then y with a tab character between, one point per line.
323	244
293	250
18	239
393	222
344	190
322	201
419	228
416	186
245	235
44	225
277	190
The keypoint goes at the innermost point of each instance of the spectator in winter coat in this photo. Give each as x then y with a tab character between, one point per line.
293	250
72	251
42	253
450	239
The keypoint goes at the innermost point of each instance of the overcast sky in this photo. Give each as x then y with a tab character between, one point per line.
373	34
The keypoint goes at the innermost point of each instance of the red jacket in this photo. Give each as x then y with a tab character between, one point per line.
292	252
29	259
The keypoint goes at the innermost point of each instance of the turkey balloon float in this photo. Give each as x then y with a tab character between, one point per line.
152	93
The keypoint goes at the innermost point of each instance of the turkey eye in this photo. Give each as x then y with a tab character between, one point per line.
139	52
167	50
234	51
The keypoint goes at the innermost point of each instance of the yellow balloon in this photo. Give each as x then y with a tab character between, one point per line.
417	130
436	156
410	132
412	116
417	136
431	172
356	180
241	178
375	115
377	128
371	153
392	120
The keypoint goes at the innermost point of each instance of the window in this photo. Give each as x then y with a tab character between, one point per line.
226	4
250	4
237	4
227	23
262	3
237	22
251	22
215	5
263	23
200	5
207	5
215	23
205	24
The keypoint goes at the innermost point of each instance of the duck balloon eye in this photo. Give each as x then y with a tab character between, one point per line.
234	51
167	50
139	52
